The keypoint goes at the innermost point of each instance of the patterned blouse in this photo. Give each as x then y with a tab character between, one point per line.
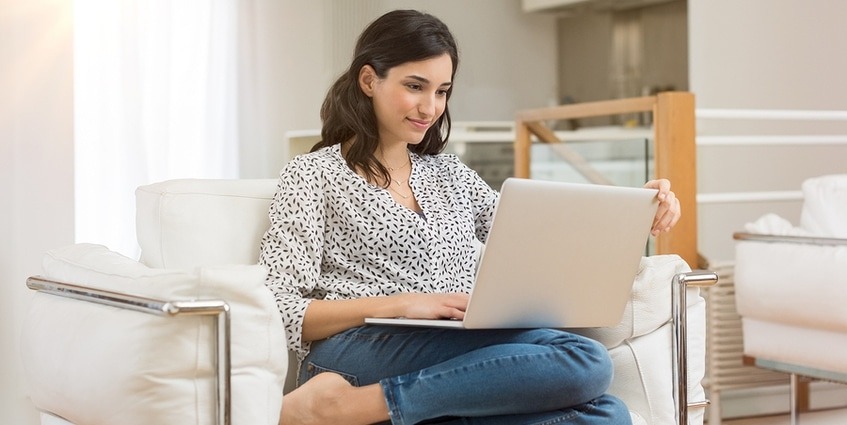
335	236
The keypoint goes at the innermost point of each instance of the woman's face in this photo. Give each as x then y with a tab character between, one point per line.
410	99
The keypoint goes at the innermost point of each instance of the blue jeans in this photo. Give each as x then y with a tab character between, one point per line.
508	377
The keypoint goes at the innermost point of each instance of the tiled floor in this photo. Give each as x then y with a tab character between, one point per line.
828	417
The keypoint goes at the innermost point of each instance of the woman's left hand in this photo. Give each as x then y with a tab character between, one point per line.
669	210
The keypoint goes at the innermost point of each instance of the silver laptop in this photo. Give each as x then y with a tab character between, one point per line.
559	255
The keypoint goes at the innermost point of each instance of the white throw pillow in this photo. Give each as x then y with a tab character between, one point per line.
825	206
95	364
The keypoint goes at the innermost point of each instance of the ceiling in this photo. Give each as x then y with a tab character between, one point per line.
573	7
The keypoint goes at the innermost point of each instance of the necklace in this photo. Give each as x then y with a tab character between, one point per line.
394	169
390	168
404	196
397	181
398	168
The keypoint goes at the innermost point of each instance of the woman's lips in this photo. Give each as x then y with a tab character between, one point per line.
423	125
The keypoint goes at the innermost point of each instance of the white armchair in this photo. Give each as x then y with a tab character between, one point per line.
212	348
791	287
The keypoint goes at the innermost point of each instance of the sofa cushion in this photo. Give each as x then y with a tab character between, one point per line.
96	364
190	222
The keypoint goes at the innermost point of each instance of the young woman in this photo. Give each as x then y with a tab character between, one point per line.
375	222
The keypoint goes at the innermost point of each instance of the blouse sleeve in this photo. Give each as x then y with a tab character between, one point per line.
292	247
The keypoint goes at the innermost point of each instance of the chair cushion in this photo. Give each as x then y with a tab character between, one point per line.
793	284
190	222
96	364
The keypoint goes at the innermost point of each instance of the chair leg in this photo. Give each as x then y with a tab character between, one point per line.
715	409
795	414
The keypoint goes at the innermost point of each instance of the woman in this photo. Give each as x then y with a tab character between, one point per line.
374	222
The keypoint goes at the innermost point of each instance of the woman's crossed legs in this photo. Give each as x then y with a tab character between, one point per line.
423	375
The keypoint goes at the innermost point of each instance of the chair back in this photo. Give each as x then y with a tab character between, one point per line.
187	223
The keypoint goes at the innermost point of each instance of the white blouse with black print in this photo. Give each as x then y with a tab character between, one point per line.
335	236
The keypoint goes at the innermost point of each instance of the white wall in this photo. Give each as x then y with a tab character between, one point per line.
282	79
507	63
785	54
36	164
764	54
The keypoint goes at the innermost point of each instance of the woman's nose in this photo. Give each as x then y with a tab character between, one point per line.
426	107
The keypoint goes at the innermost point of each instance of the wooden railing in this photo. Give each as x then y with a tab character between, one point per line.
674	145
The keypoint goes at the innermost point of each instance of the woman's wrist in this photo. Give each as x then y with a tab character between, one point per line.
324	318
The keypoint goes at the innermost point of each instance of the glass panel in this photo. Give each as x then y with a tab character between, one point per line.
623	162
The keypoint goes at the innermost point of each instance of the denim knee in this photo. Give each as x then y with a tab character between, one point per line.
603	363
593	366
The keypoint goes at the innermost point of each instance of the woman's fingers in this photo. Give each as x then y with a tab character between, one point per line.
669	210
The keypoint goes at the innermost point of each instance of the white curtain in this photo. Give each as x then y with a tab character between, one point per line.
155	98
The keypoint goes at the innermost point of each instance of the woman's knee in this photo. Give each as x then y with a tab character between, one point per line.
600	354
593	354
598	365
590	364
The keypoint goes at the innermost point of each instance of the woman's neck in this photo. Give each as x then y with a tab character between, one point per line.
393	157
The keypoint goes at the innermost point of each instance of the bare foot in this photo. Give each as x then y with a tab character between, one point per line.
329	399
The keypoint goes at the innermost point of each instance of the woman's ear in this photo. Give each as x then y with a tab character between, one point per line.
367	80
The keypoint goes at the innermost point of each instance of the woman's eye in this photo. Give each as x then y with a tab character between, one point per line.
414	86
442	92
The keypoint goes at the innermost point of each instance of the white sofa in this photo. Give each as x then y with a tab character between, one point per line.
791	286
90	360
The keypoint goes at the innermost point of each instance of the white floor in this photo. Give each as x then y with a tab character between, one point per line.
827	417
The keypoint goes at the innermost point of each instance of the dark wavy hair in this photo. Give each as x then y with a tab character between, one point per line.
347	114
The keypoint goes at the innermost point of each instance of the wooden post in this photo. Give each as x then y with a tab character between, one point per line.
523	146
676	160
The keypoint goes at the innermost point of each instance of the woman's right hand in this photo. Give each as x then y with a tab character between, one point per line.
432	306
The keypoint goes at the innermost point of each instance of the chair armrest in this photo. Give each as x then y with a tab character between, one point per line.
93	362
217	309
814	240
680	338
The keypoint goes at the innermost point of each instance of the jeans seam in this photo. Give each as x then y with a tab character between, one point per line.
313	369
394	414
